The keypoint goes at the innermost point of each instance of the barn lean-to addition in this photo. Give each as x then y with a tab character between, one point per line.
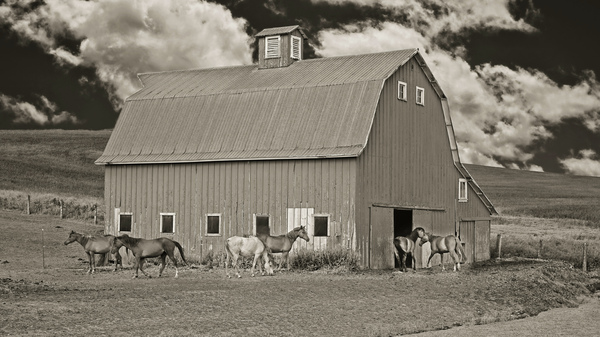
357	148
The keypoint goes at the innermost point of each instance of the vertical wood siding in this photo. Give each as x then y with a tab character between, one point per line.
236	190
408	161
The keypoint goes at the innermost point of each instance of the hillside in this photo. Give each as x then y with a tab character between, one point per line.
62	162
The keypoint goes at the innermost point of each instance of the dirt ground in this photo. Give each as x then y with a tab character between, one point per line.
57	297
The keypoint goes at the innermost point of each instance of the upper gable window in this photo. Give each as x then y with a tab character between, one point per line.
402	90
462	190
296	48
272	46
420	96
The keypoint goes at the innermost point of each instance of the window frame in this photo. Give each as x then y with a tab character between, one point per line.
422	101
277	49
403	96
299	56
119	222
315	216
174	215
463	185
219	215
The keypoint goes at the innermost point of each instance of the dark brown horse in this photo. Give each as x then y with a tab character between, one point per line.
252	246
406	245
283	243
445	244
144	248
95	244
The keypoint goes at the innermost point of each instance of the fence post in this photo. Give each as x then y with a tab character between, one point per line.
95	214
28	204
499	245
61	208
584	267
540	249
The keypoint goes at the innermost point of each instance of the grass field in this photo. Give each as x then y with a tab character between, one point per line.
53	165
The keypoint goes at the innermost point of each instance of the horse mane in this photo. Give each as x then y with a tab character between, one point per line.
128	239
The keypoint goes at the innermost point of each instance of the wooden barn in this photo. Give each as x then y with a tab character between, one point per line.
359	149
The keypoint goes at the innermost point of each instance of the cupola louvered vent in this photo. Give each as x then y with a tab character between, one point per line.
272	48
296	48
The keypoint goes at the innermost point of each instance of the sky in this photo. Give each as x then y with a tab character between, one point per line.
520	75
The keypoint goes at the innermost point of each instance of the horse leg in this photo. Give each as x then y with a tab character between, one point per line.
414	261
136	267
141	265
403	262
442	260
429	260
89	271
118	260
397	257
284	259
172	257
455	258
93	262
163	263
256	257
235	265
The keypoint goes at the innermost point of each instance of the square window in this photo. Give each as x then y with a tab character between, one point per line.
462	190
125	222
321	225
420	96
213	224
262	225
167	222
402	91
272	46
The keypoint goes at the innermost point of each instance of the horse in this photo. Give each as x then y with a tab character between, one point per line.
283	243
406	245
95	244
251	246
445	244
145	248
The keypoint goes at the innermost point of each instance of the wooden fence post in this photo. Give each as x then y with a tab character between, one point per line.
540	249
28	204
499	245
61	209
584	267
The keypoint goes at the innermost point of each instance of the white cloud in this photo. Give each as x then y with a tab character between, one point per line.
451	15
122	38
586	163
44	114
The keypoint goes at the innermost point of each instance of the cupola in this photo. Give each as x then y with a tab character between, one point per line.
280	46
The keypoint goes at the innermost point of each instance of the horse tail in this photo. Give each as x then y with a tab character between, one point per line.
180	251
460	251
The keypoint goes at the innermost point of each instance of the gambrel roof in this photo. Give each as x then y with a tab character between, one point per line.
314	108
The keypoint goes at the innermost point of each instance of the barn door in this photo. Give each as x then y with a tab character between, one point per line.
381	238
467	236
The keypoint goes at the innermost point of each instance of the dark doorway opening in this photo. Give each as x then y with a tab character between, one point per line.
262	225
403	226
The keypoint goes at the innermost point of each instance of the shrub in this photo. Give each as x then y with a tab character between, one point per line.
331	258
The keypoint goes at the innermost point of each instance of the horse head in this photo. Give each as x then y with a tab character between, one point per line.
424	239
302	233
72	238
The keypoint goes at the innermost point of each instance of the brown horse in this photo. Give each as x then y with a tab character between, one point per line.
445	244
283	243
143	248
252	246
406	245
95	244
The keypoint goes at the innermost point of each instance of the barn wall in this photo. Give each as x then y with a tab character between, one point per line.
236	190
408	162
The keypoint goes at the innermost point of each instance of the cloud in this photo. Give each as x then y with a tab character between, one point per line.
431	17
42	113
587	163
122	38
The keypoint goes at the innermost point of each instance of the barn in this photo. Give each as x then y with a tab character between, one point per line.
358	148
